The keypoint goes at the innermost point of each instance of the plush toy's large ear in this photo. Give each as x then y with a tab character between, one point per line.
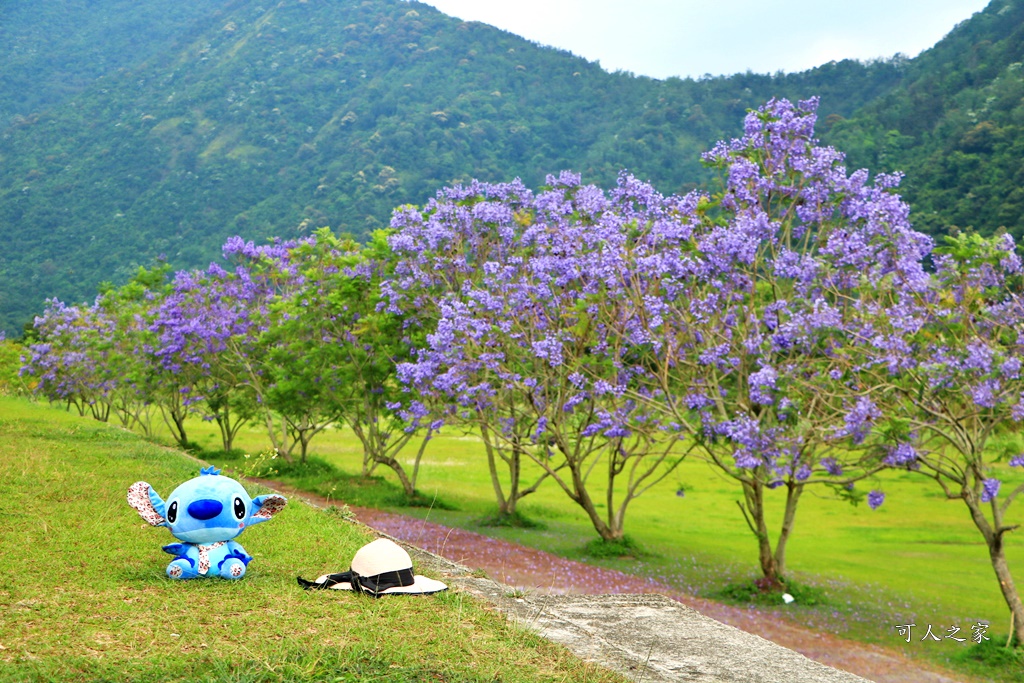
266	507
150	506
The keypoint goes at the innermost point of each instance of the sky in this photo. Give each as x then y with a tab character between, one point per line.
663	38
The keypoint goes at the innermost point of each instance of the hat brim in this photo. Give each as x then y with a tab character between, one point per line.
421	586
343	586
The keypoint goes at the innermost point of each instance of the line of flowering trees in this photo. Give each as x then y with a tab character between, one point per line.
289	337
792	330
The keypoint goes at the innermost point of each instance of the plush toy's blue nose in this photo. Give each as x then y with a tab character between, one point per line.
204	509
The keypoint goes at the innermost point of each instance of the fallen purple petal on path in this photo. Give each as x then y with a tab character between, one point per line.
535	571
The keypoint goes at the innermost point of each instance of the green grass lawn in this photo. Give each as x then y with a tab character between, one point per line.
83	595
916	560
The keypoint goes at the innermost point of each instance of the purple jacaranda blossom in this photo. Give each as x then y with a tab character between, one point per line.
549	349
1017	409
714	355
859	420
752	445
697	400
1011	261
1017	461
986	392
875	499
532	324
902	455
990	489
832	466
979	357
762	385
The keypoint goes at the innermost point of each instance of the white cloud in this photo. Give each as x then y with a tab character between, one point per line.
662	38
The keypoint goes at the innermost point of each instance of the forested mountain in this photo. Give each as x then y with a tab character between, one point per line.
150	128
50	51
955	126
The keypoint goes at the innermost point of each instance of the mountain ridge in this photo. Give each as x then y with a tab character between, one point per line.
275	120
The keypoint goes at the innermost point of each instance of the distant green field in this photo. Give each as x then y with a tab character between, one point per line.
83	595
916	560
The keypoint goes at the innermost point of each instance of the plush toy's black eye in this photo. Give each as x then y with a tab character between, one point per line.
172	512
239	508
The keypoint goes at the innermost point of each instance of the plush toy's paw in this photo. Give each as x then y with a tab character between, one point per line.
232	569
181	569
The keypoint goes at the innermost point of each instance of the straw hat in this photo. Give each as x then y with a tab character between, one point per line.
378	568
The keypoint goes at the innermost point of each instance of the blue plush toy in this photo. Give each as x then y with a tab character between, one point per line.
206	513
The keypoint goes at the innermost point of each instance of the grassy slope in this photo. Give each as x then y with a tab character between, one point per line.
917	559
83	594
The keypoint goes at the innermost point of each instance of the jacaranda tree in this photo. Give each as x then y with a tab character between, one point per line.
945	365
97	358
333	348
745	303
528	338
263	279
437	251
66	362
199	325
139	382
210	331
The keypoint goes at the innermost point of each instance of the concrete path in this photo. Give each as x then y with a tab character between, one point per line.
649	638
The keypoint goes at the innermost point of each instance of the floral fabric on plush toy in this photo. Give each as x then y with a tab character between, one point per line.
206	513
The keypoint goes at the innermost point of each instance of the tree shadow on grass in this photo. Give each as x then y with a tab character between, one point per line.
317	476
516	520
624	548
756	592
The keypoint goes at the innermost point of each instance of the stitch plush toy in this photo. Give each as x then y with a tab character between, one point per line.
206	513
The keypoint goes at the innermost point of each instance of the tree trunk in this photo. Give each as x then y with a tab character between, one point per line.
301	433
376	451
506	505
514	468
1008	589
753	512
793	492
100	411
140	419
227	430
993	534
175	421
771	574
125	415
608	532
407	484
281	444
369	461
419	456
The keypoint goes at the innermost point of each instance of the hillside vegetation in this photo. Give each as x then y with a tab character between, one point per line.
154	129
954	126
